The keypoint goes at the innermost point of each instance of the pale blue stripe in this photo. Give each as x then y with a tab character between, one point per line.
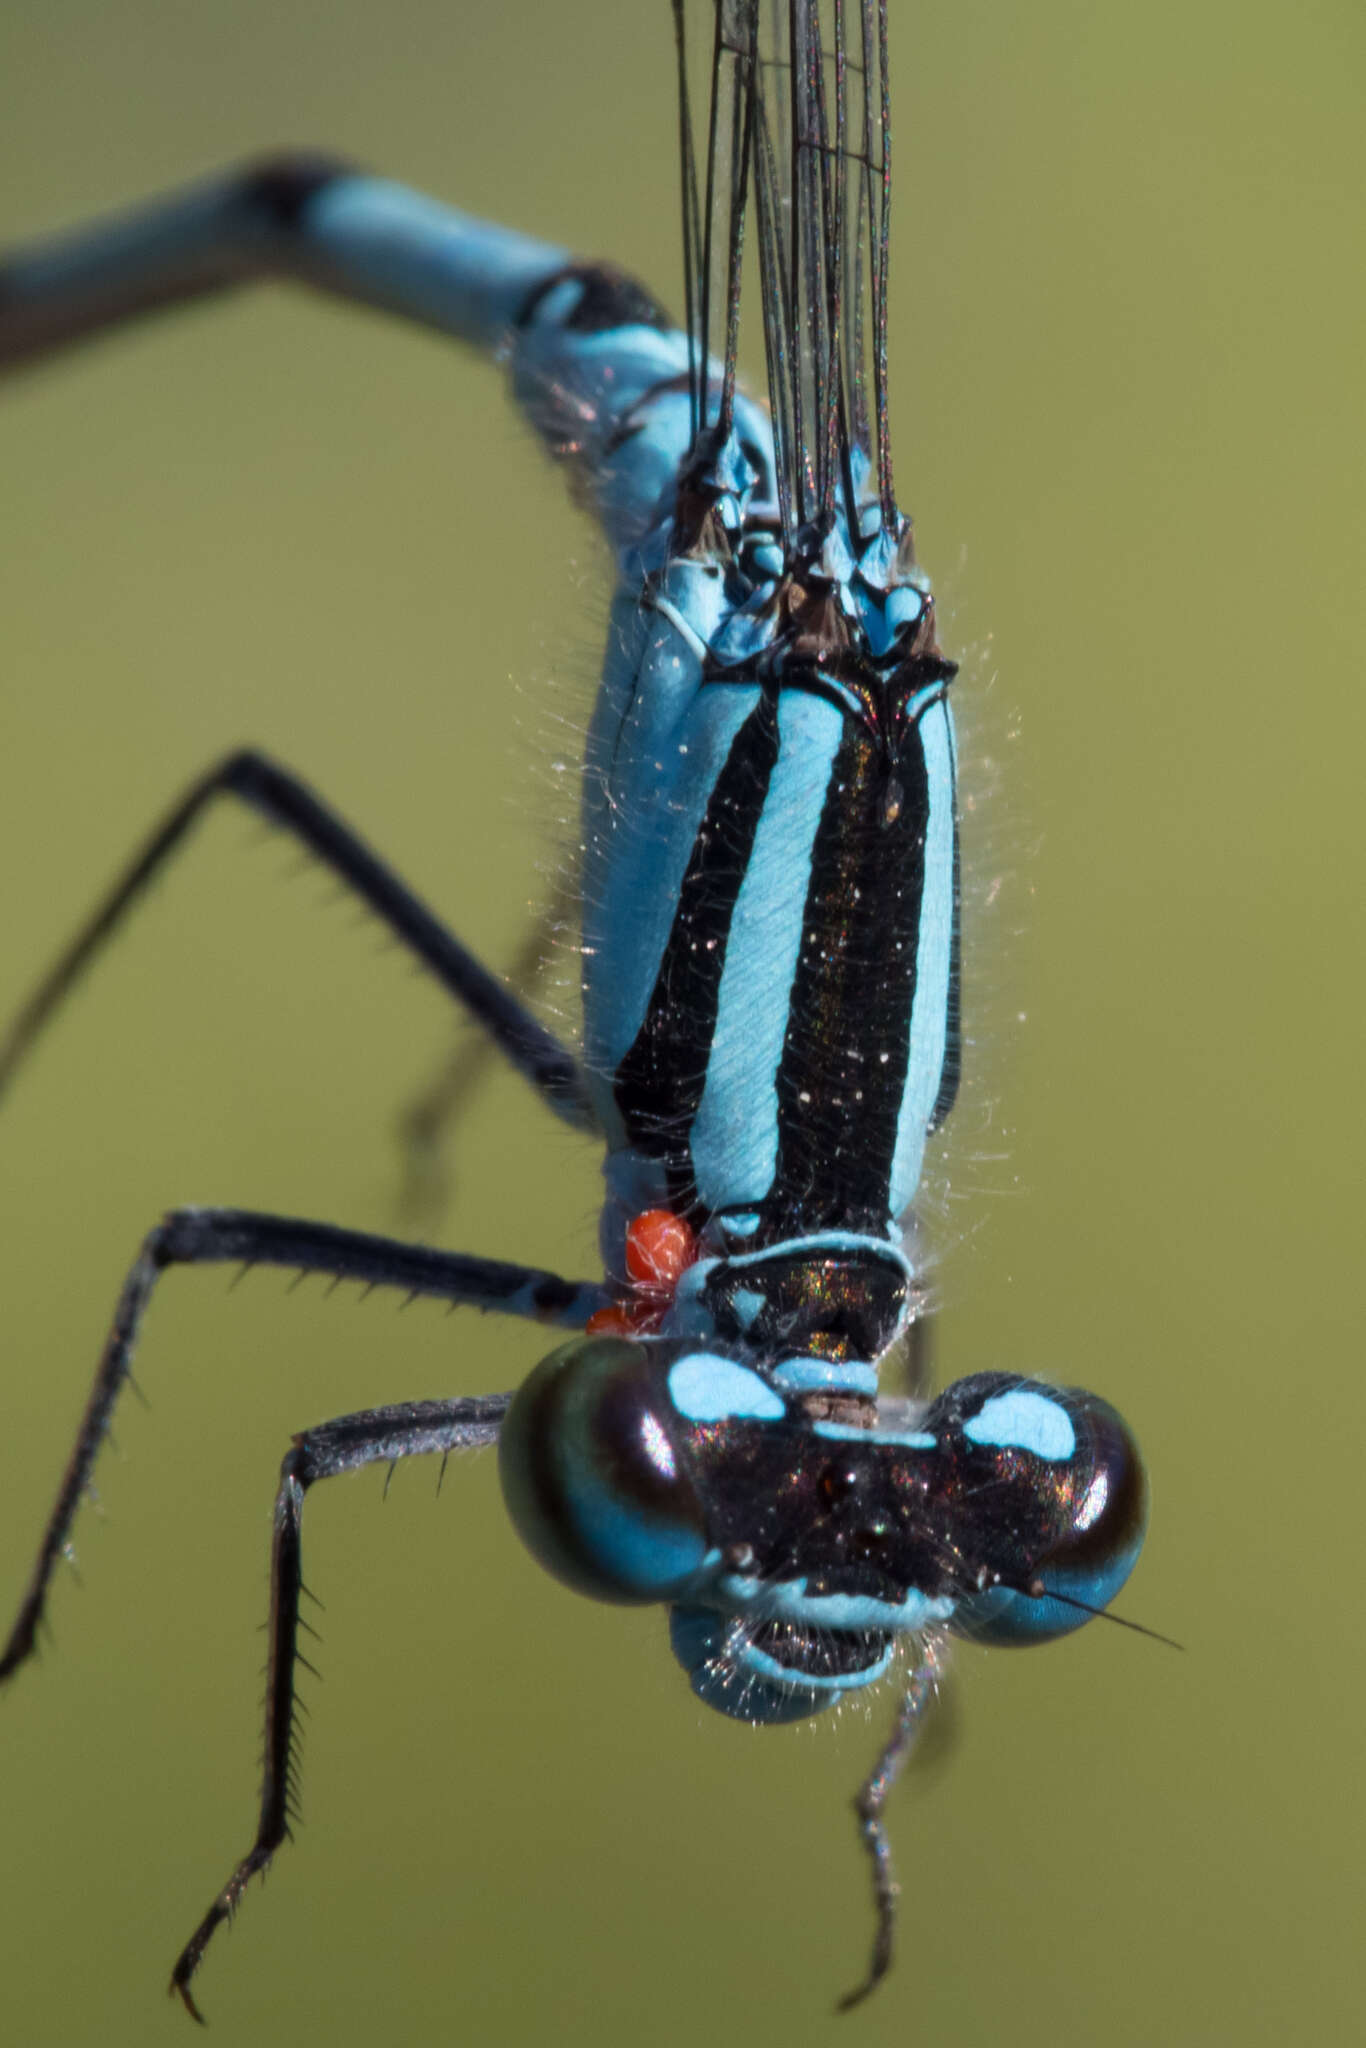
735	1132
657	745
930	1010
779	1600
903	1439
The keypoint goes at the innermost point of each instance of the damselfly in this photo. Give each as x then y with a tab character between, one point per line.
769	941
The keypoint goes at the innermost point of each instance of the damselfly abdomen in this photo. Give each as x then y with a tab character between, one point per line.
771	978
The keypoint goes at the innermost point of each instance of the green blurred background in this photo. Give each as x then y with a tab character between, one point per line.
1128	340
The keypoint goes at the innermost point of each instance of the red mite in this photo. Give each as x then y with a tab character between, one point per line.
659	1246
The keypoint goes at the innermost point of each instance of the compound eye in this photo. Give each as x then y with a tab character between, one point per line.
592	1472
1079	1510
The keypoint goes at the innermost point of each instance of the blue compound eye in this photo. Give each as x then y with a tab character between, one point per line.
590	1461
1071	1504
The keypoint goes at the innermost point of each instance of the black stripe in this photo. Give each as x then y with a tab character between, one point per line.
845	1056
659	1083
952	1072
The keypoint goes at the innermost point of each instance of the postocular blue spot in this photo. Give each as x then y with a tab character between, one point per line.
706	1388
1024	1420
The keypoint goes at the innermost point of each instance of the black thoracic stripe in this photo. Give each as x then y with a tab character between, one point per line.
659	1082
845	1056
953	1042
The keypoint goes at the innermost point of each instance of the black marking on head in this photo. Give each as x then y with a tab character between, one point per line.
861	1517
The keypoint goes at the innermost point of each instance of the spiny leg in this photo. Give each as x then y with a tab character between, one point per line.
193	1237
387	1434
921	1687
291	805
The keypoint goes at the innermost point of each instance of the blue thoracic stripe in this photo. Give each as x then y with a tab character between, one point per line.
735	1132
953	1047
655	762
659	1083
933	993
